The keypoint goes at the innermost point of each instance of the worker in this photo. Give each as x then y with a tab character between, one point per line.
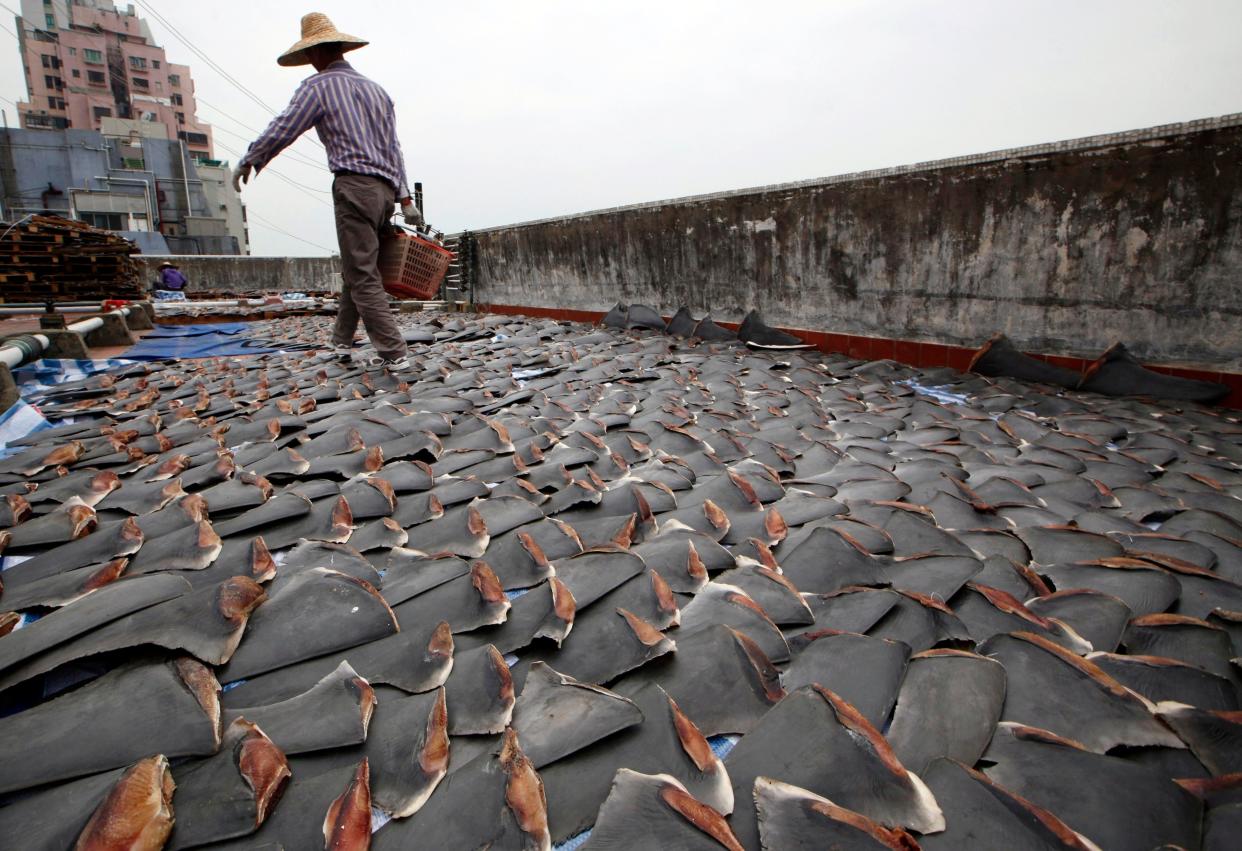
355	121
171	277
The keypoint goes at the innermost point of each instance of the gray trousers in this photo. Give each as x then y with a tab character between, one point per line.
363	205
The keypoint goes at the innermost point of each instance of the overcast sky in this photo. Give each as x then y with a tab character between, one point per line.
514	111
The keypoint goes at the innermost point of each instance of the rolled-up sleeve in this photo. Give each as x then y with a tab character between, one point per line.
302	113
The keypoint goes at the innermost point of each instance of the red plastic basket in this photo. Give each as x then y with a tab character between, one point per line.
412	267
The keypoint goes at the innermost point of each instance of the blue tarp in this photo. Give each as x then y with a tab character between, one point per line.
18	421
229	328
197	341
36	377
33	381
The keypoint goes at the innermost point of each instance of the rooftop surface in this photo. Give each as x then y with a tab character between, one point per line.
558	579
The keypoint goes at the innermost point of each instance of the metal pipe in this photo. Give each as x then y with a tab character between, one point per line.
185	180
251	302
15	310
19	350
29	347
41	305
88	325
233	302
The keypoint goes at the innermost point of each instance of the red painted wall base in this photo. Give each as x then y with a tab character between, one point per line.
904	351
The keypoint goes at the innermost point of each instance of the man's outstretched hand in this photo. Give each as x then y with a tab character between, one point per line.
242	175
413	215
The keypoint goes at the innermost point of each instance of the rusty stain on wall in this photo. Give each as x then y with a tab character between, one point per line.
1066	251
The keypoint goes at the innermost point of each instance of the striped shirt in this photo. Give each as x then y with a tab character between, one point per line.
354	119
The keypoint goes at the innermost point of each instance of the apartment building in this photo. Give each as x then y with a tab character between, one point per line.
110	134
87	61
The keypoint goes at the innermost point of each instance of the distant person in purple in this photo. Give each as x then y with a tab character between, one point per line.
355	121
171	277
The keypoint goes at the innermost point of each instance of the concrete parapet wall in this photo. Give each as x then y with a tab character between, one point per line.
1065	247
238	274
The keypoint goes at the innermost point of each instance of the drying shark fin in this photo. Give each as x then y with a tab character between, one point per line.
656	811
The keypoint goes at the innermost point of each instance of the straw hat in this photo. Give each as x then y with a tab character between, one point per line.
317	29
168	265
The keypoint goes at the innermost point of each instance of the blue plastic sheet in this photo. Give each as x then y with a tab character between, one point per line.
229	328
198	341
18	421
33	378
573	843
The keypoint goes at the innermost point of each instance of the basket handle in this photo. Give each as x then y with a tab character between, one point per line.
426	231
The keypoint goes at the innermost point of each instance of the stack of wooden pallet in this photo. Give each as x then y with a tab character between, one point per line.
47	257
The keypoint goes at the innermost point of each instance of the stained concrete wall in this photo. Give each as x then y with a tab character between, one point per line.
250	274
1065	247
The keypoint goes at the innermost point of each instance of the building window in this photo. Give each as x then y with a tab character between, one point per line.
193	138
96	78
73	51
56	103
181	118
95	57
155	63
77	73
177	100
139	82
51	21
174	80
50	81
102	112
107	221
49	122
49	61
138	63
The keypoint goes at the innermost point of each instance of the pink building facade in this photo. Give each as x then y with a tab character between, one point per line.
85	61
